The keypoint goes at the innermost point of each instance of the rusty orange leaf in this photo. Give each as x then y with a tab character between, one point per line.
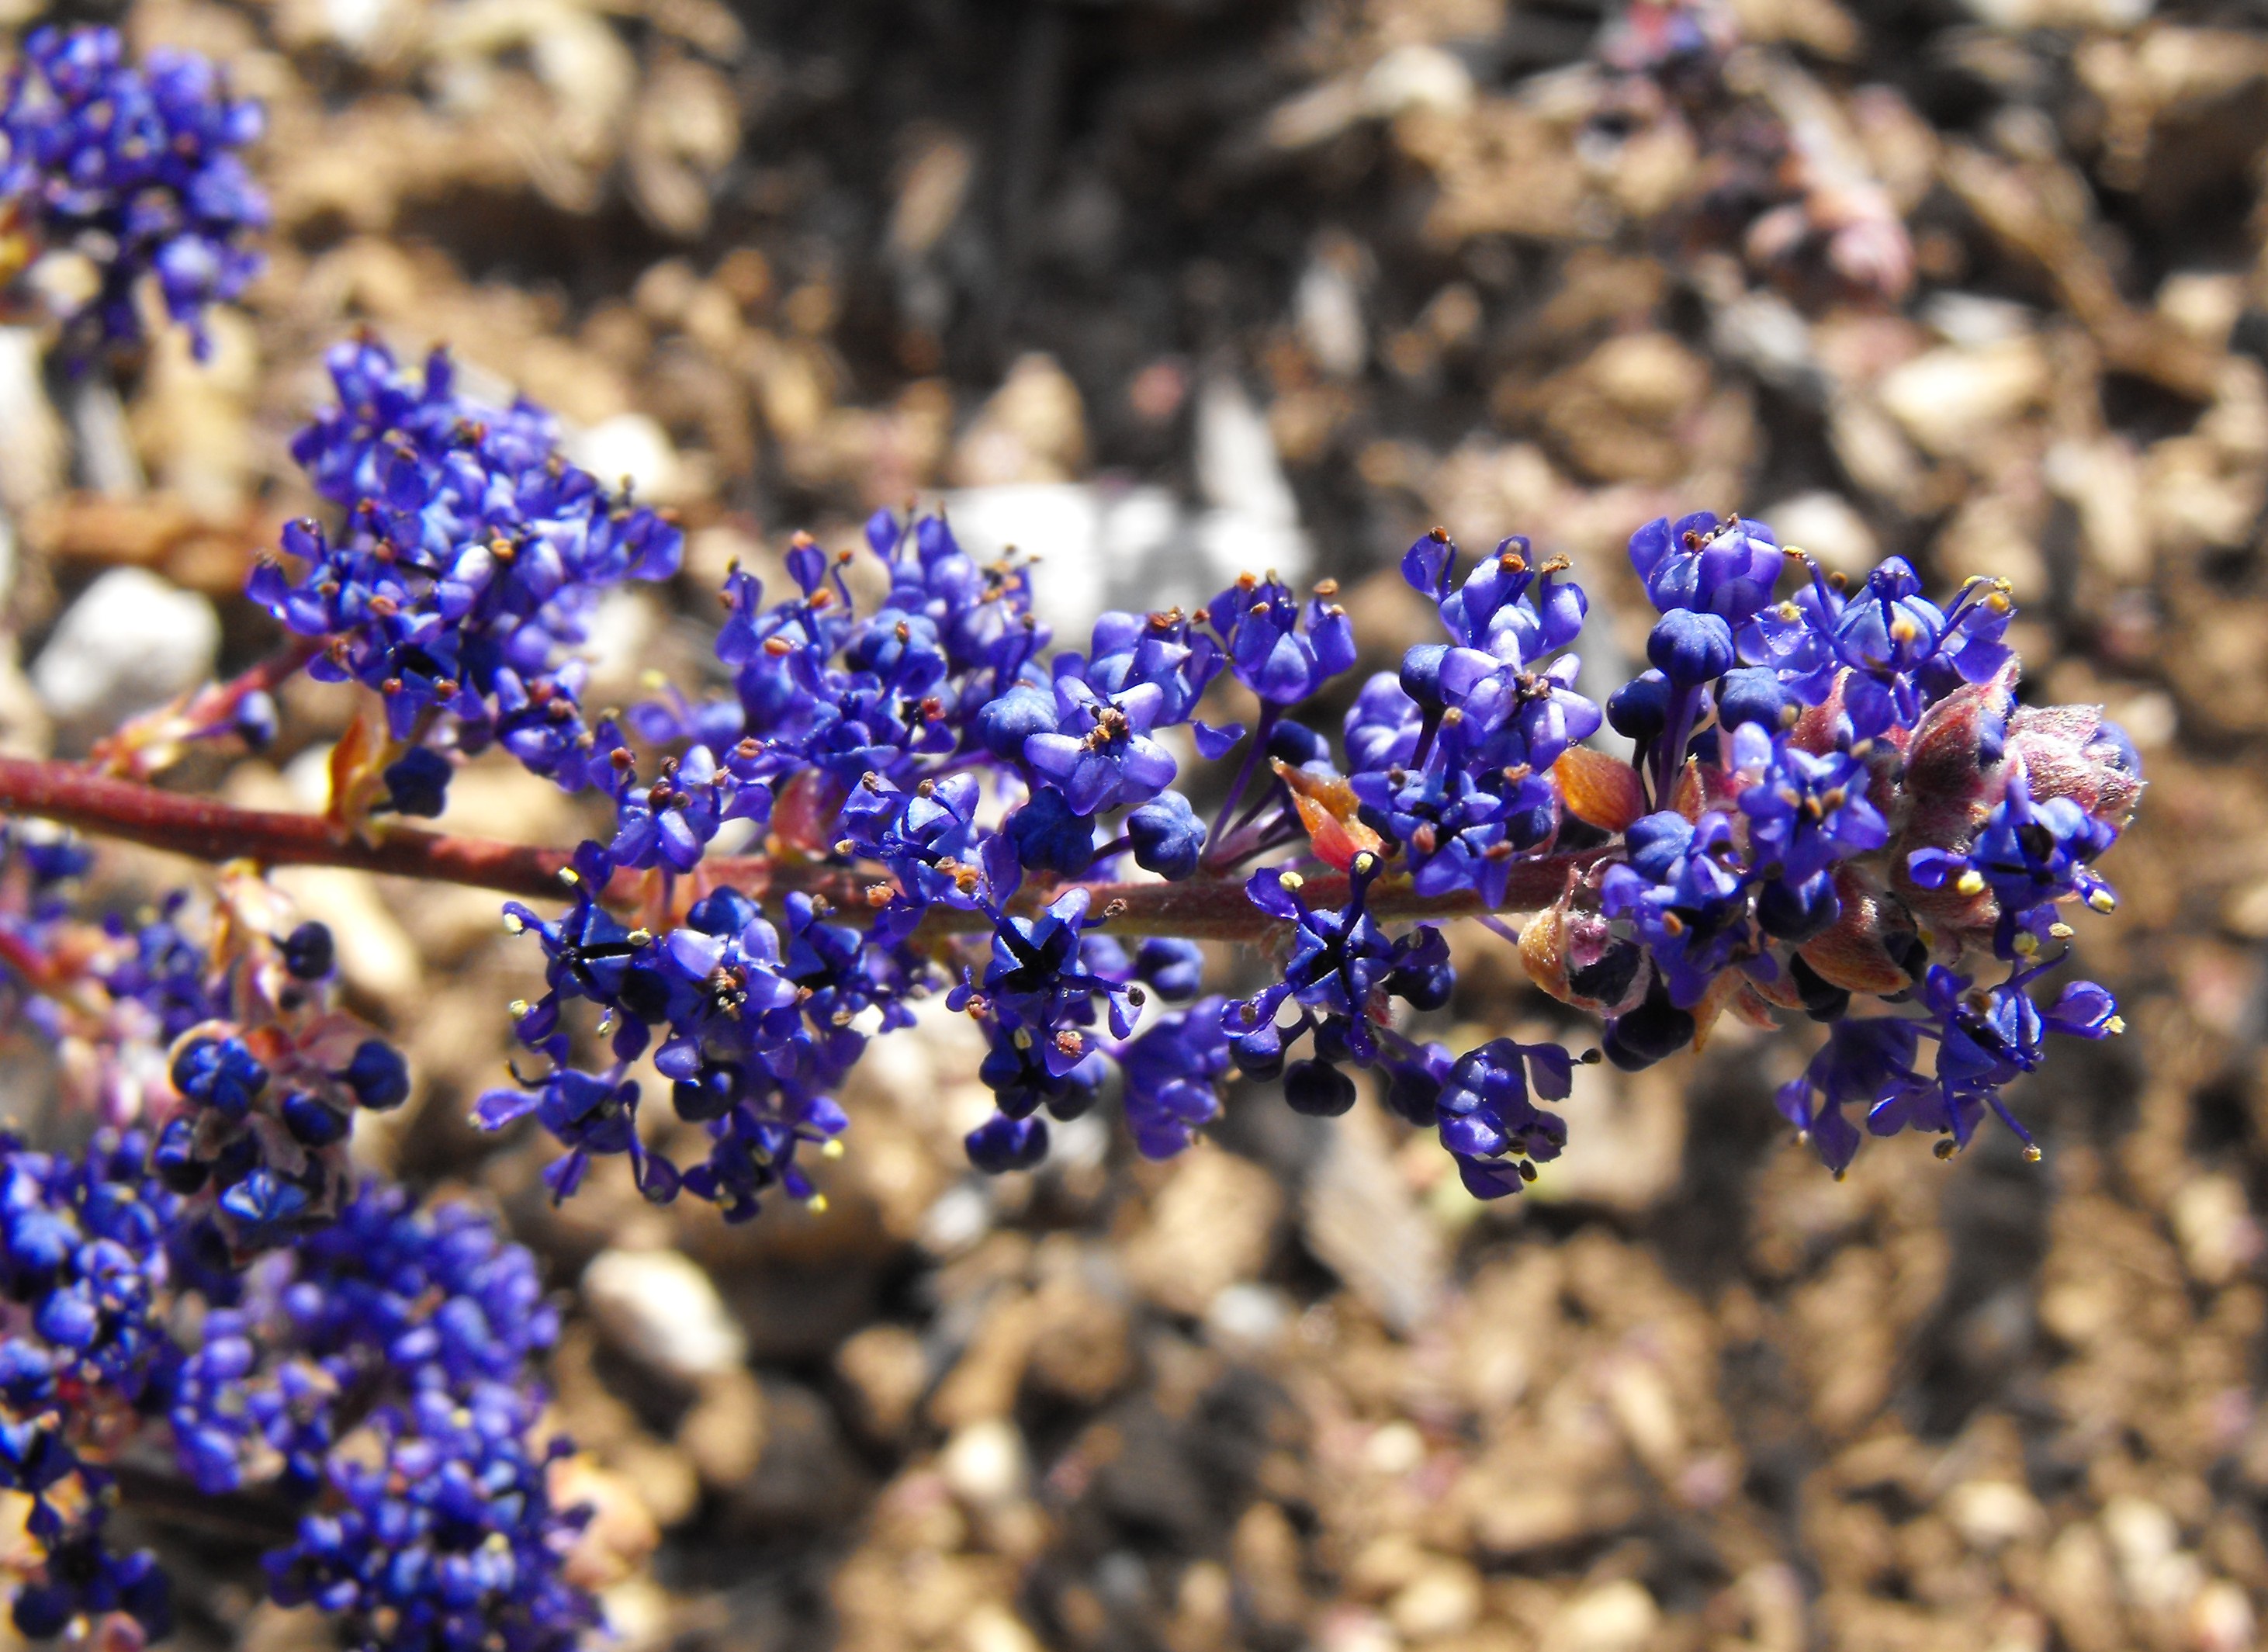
1327	808
1597	788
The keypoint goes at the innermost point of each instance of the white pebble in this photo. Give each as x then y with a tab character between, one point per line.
131	642
986	1464
662	1309
632	447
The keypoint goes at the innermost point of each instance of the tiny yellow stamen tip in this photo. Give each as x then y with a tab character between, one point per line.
518	1008
2060	932
513	924
639	937
831	1148
2115	1025
568	876
1293	880
2032	1154
815	1204
2104	900
1969	884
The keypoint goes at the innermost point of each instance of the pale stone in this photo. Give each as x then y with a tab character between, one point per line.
662	1309
131	642
985	1463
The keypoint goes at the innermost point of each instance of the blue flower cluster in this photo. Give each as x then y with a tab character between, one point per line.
930	740
426	1321
1845	799
1834	795
219	1037
416	1325
136	169
83	1264
211	1280
467	574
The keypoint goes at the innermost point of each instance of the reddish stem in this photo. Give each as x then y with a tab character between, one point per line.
124	752
1202	909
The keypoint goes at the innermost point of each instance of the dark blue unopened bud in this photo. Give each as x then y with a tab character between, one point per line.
1072	1096
1296	744
1172	969
1690	647
312	1122
1427	987
1258	1054
1656	841
1330	1039
1412	1092
1606	978
1009	719
1049	837
722	913
1167	837
174	1158
1796	912
418	783
43	1610
256	721
1752	694
309	952
710	1094
222	1073
1640	710
1654	1031
1002	1143
1421	672
378	1075
1318	1089
1823	999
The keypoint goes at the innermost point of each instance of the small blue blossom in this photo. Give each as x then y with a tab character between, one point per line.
1281	650
2030	856
1901	651
1724	568
1686	894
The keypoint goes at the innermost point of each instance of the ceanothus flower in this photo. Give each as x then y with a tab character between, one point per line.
1902	650
2030	855
1174	1070
1101	753
1280	649
1724	568
1806	812
1686	893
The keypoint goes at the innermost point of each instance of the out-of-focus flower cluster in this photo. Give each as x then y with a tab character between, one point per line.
212	1031
1776	183
135	169
205	1279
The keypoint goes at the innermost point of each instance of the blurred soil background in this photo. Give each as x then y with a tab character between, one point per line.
1167	288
